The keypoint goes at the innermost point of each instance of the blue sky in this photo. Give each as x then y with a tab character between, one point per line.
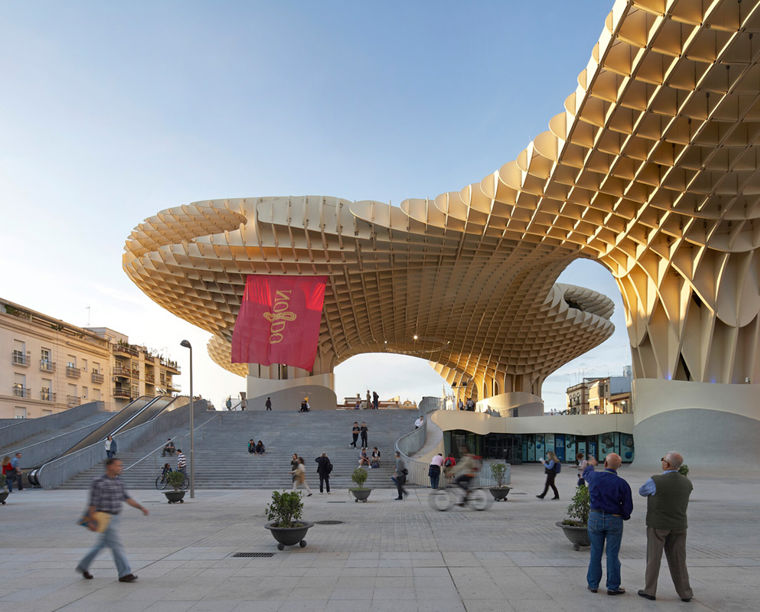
114	111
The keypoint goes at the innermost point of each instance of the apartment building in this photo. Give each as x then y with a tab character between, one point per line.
606	395
48	366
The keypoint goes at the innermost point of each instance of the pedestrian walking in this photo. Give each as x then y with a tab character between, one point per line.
434	470
667	499
228	402
299	477
399	477
268	403
9	472
294	465
17	476
106	495
181	462
552	466
110	445
611	504
354	433
324	467
363	431
375	400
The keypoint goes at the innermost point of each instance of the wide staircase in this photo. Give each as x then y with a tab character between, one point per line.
222	460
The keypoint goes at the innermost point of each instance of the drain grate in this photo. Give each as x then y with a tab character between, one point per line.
336	502
253	554
328	522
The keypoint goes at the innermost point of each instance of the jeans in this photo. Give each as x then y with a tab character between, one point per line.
109	538
435	475
603	527
110	454
324	481
399	482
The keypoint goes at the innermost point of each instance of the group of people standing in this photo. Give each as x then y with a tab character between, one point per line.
357	431
12	472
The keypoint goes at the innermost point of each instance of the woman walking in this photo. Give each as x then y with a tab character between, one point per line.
551	466
299	477
110	445
581	462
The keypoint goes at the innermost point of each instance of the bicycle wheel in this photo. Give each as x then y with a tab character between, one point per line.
160	483
186	484
440	500
479	499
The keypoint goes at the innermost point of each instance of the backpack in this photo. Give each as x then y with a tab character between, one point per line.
557	467
449	462
329	467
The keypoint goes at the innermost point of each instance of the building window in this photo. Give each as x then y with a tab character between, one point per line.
71	361
84	365
84	392
96	367
19	412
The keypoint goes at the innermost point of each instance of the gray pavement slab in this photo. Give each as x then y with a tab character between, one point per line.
386	555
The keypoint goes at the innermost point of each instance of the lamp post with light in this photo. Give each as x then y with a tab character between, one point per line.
187	345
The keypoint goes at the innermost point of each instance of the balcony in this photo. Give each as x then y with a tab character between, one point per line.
19	358
73	400
72	372
172	387
120	392
97	377
47	366
150	378
170	365
122	371
125	349
20	390
47	396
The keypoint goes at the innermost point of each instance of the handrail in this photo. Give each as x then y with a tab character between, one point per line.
411	443
161	446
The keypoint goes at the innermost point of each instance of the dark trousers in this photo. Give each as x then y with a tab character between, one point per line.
550	476
400	480
355	437
364	439
110	454
434	471
674	543
324	479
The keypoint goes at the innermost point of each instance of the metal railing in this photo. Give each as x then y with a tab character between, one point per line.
97	377
20	358
120	392
72	372
47	366
121	371
46	395
73	400
407	445
20	390
150	378
125	348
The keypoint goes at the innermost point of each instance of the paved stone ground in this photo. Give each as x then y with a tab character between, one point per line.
387	555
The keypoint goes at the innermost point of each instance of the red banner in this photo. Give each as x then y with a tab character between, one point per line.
279	320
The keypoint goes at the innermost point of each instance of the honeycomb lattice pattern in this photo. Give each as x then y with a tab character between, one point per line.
652	170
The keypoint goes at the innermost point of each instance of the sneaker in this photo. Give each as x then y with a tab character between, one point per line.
128	578
617	591
645	595
593	589
309	495
85	573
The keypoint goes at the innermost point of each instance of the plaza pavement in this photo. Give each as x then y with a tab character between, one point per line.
386	555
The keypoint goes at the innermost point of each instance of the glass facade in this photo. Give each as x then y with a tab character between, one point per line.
531	448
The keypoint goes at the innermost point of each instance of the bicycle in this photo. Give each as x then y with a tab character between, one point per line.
445	499
161	482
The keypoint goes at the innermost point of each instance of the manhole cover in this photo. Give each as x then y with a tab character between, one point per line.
336	502
253	554
328	522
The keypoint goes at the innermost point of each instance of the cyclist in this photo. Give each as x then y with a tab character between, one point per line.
463	472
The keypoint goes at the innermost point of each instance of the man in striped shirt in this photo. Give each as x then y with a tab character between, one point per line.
181	462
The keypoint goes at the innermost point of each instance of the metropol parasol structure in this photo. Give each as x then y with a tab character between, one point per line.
653	170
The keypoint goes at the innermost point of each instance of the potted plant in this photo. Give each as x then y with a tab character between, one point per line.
575	525
360	492
176	481
3	489
500	491
284	516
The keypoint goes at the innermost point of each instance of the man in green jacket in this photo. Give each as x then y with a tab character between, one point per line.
667	498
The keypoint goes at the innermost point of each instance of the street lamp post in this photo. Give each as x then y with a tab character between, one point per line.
187	344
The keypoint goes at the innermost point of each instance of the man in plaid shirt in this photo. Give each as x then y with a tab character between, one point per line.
106	495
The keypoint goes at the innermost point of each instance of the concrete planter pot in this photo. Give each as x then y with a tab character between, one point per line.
290	536
578	535
360	494
500	493
175	496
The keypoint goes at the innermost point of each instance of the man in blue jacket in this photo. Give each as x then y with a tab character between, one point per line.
611	504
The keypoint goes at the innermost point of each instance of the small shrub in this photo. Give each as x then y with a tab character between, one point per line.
498	470
578	509
285	508
175	479
359	476
684	469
